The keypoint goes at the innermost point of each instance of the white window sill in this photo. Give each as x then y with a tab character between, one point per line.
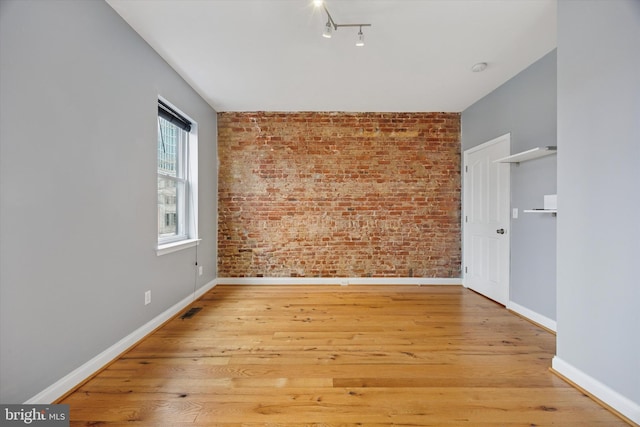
177	246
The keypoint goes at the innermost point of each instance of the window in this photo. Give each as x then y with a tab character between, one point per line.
176	176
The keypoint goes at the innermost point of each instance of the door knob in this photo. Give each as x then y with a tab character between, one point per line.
500	231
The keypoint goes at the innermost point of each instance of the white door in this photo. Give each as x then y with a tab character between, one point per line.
486	219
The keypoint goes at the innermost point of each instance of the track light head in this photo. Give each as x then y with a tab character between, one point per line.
360	41
328	30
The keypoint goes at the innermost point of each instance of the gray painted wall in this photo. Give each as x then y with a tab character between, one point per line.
78	189
599	191
525	106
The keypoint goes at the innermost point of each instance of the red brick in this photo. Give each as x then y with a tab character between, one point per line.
339	194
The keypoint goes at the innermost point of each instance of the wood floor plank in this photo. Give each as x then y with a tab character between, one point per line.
338	356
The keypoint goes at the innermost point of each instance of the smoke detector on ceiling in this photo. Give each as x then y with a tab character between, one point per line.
480	66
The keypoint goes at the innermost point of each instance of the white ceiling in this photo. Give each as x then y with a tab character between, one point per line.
269	55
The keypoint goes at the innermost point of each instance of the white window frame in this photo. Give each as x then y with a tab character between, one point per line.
186	176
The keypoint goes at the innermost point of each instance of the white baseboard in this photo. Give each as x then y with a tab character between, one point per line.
76	377
620	403
343	281
532	315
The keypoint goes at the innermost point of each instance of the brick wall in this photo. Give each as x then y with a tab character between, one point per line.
339	195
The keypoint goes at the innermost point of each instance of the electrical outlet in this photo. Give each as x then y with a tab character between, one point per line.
147	298
200	270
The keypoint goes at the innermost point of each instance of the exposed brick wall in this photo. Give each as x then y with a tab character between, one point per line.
339	194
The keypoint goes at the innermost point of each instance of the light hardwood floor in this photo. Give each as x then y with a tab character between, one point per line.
339	356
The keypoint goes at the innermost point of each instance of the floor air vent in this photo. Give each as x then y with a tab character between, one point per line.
190	313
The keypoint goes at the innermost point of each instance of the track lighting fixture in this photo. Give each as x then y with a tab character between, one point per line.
328	30
360	41
332	26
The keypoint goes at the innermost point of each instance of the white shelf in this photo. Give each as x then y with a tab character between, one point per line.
534	153
548	211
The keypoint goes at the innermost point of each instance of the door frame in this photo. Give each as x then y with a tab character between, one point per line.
500	139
